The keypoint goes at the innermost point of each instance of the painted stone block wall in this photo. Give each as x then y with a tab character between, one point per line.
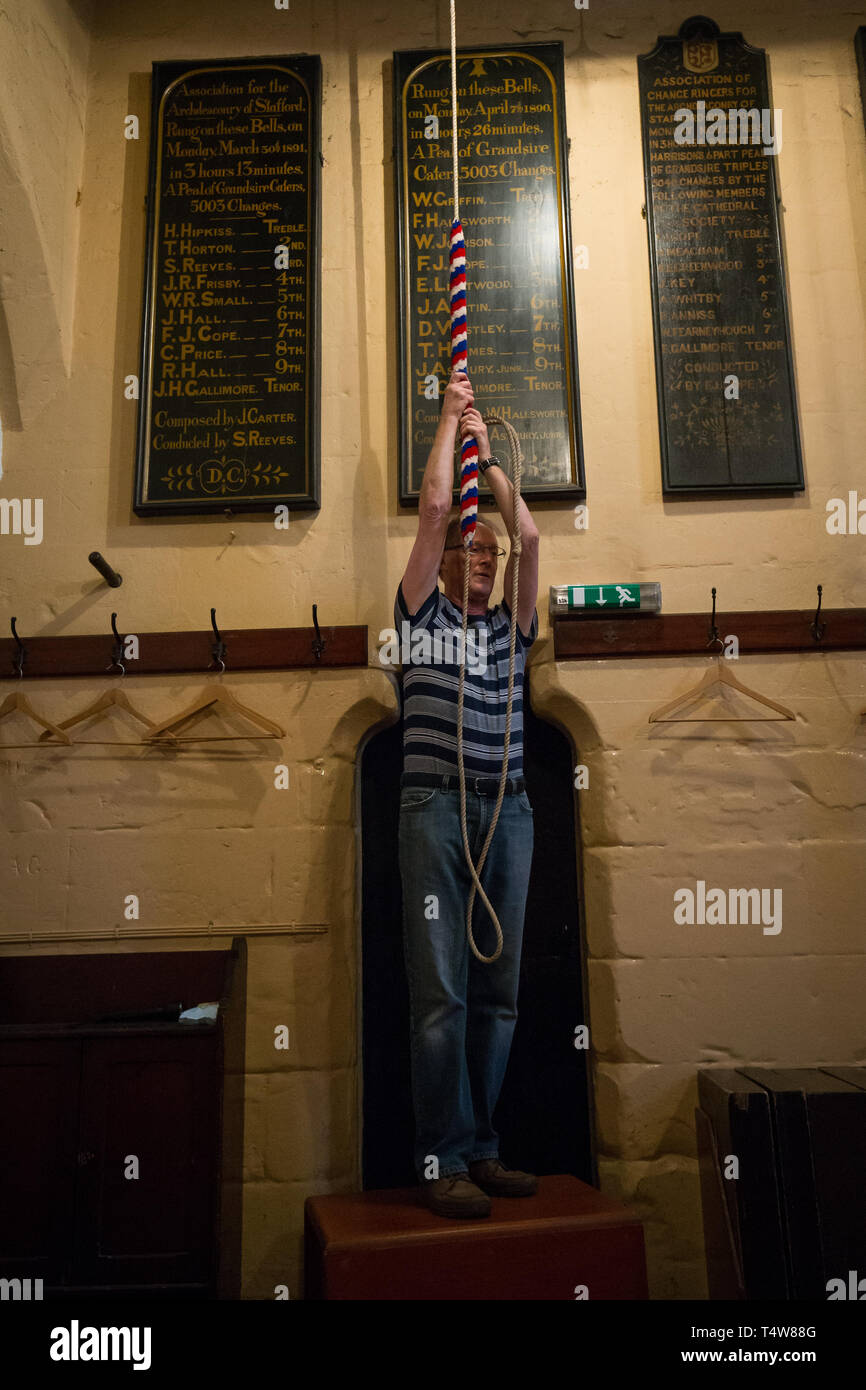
207	835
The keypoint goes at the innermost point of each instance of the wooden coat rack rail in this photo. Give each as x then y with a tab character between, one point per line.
189	653
690	634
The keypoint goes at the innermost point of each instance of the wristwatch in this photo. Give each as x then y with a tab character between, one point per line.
484	464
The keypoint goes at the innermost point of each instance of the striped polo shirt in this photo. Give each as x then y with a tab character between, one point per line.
431	684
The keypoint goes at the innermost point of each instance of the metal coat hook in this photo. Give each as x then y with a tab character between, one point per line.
713	630
818	629
219	647
318	640
117	649
22	652
109	575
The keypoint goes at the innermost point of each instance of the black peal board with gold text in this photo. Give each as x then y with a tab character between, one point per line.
230	348
514	207
727	401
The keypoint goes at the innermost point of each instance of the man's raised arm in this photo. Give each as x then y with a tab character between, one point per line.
503	494
434	503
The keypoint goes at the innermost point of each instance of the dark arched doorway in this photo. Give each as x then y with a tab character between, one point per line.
544	1112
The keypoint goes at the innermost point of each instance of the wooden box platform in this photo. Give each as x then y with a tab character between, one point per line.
385	1245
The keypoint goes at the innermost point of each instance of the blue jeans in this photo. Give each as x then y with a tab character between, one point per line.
462	1012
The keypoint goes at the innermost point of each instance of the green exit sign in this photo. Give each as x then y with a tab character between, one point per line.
614	596
601	600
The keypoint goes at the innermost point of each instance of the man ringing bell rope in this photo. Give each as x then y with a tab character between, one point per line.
463	1003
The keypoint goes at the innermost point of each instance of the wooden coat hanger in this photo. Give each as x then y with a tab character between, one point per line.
722	675
115	697
17	700
212	695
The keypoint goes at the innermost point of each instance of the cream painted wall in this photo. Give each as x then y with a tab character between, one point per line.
734	805
44	48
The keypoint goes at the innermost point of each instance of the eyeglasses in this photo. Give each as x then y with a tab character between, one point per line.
491	550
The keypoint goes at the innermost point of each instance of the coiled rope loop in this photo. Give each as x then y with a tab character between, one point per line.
516	467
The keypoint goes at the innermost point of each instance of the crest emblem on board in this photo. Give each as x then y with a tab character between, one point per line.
700	55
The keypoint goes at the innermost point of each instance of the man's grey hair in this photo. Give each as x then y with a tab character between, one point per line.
452	535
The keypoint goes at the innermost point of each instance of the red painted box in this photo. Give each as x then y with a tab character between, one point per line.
385	1245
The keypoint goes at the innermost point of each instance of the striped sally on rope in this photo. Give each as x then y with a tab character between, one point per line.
469	450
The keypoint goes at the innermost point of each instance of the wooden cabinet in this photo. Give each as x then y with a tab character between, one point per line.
122	1146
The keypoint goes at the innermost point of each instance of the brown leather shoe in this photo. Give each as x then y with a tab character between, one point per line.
493	1177
455	1196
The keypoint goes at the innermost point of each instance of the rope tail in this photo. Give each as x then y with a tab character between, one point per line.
469	520
516	467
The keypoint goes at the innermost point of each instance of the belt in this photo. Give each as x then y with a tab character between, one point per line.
448	781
